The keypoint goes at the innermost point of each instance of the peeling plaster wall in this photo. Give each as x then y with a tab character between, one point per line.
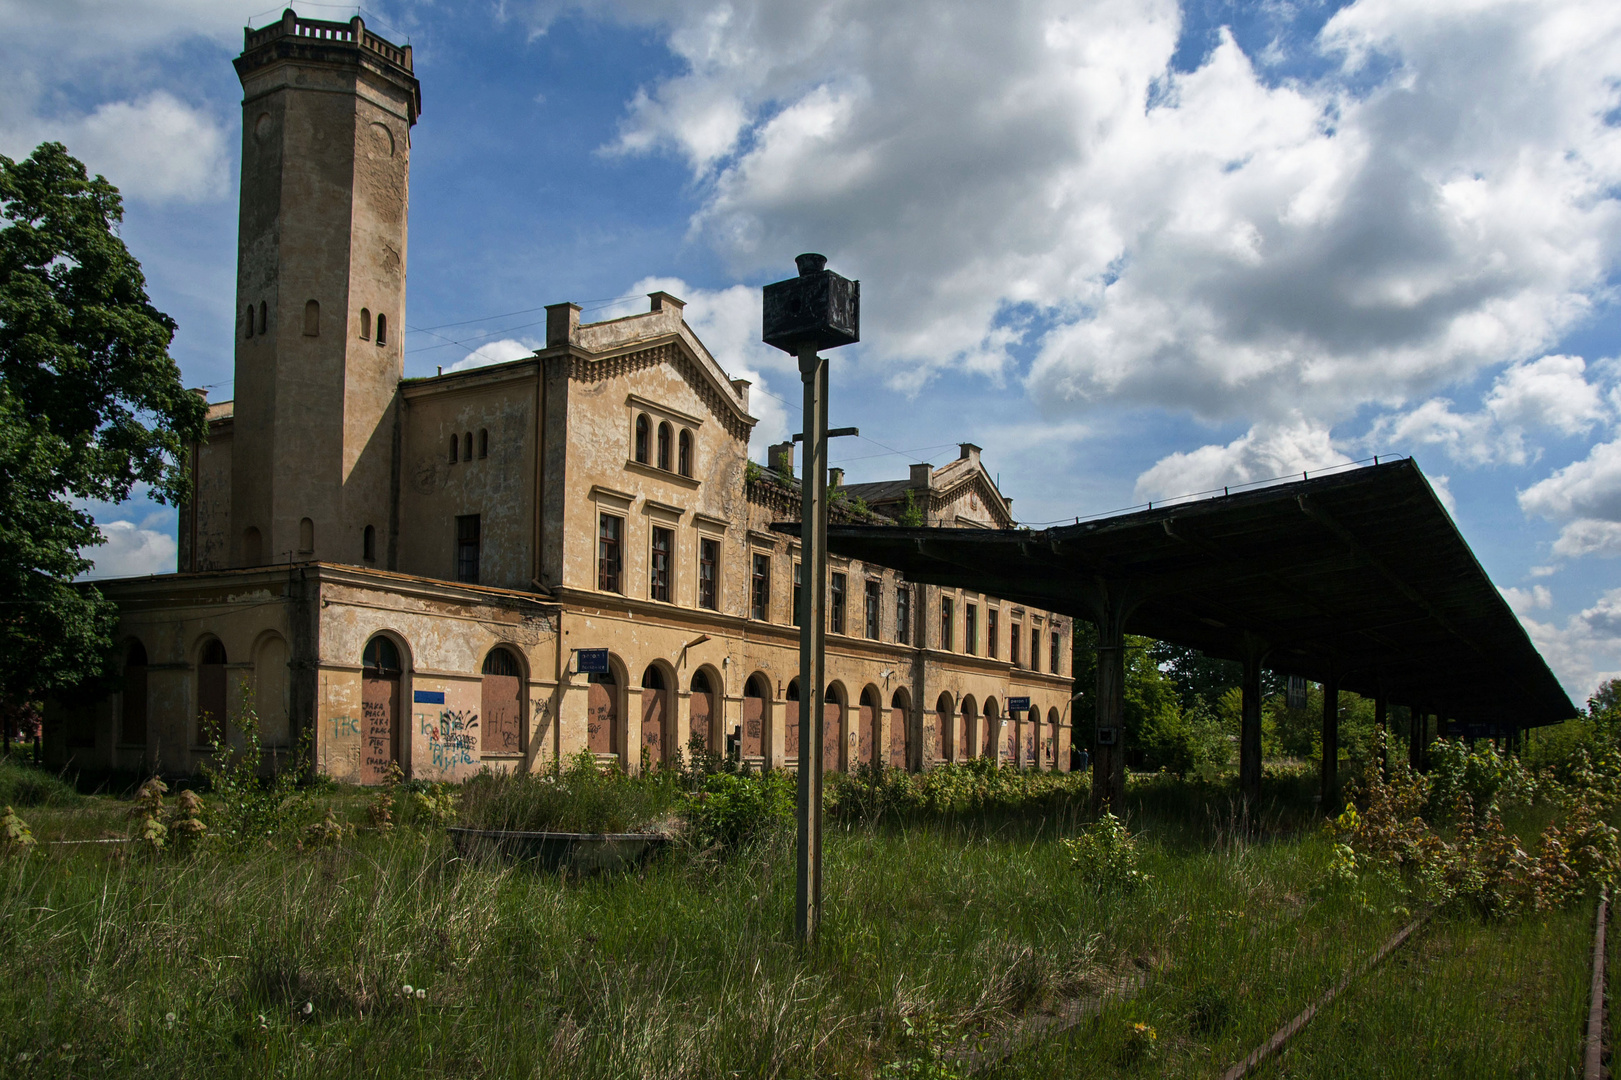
499	488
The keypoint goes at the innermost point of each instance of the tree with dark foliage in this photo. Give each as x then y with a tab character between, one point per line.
90	405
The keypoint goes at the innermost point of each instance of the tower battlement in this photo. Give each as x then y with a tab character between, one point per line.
295	38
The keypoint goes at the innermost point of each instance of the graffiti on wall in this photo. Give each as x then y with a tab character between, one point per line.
452	737
345	726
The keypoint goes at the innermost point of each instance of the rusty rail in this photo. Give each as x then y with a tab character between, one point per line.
1292	1028
1593	1057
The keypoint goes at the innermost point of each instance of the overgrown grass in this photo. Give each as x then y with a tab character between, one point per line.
940	934
24	784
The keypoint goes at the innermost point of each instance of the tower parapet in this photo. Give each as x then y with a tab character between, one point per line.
294	38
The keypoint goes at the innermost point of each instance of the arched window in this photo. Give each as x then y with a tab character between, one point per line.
306	536
641	438
500	726
467	446
455	442
683	457
312	319
252	547
264	320
664	446
483	442
382	329
368	544
381	660
247	329
132	719
365	324
211	694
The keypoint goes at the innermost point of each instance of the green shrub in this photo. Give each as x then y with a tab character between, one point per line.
1106	854
730	810
251	811
973	787
583	797
23	784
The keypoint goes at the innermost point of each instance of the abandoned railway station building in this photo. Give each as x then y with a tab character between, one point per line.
428	572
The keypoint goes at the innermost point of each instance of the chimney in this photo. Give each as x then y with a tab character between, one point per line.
921	475
741	386
780	458
835	478
969	452
663	301
561	322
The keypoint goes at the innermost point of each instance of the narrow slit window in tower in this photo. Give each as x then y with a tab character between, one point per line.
483	442
382	329
365	324
312	319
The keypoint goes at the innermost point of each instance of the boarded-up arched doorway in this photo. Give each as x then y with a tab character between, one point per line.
1049	742
968	737
754	698
900	730
867	730
602	714
790	723
379	710
500	722
702	714
211	694
132	721
944	729
655	714
833	729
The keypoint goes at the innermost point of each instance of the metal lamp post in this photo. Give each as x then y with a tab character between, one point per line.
816	310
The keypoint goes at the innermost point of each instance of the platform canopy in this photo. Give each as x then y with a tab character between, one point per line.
1358	575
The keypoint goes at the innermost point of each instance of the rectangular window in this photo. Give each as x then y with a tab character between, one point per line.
874	598
948	636
835	605
992	631
903	615
658	567
799	598
467	548
970	629
1013	644
610	530
760	593
709	574
1035	649
1056	657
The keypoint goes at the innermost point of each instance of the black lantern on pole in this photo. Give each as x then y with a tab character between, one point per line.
816	310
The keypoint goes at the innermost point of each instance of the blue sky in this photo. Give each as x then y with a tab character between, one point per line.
1133	249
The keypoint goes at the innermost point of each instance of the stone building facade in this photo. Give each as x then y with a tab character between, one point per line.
408	569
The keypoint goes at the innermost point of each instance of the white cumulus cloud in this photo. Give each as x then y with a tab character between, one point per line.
134	549
496	352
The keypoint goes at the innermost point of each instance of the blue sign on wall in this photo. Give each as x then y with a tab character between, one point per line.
1018	704
429	697
591	661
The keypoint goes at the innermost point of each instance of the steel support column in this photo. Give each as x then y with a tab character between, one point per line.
1249	734
1331	741
812	642
1109	758
1381	723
